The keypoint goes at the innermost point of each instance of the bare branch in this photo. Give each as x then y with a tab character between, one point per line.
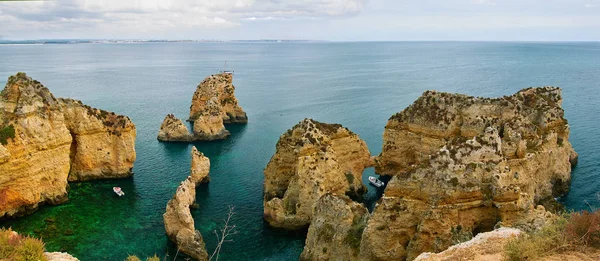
226	231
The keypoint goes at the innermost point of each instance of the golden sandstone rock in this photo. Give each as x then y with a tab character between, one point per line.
312	159
213	105
460	166
179	223
50	141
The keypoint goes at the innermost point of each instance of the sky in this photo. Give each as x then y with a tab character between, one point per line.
330	20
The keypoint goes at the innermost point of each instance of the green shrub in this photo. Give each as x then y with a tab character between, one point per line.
19	248
6	133
29	249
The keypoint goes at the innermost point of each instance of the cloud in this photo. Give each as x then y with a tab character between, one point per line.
116	17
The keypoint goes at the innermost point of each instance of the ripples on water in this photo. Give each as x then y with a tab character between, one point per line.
359	85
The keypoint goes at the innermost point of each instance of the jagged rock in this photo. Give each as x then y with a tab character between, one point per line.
47	141
200	167
59	256
179	224
312	159
485	246
173	129
335	230
461	164
216	93
208	125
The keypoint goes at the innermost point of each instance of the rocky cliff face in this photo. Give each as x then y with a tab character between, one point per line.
48	141
461	164
179	223
312	159
217	91
335	230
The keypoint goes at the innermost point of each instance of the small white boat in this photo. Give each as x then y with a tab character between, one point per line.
376	182
118	191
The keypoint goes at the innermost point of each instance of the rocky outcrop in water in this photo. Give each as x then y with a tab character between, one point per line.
179	223
335	230
312	159
461	164
173	129
45	142
215	94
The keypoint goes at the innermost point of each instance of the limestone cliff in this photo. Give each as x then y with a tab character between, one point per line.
173	129
217	90
312	159
208	124
47	141
461	164
179	224
485	246
335	230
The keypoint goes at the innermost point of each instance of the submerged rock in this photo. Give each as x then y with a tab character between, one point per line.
46	142
461	164
312	159
179	223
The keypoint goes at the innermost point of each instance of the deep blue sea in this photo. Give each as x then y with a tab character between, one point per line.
359	85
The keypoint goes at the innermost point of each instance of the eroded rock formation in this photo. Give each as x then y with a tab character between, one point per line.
461	164
179	223
46	142
335	230
217	92
312	159
485	246
173	129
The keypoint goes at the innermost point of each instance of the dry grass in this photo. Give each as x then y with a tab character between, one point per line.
573	232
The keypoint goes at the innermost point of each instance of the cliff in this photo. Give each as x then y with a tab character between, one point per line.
335	230
312	159
179	223
461	164
217	91
46	142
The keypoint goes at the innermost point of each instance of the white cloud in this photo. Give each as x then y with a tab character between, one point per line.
114	16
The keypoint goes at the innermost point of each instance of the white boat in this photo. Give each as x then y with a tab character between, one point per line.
376	182
118	191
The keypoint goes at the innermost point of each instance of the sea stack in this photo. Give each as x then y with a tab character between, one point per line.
46	142
462	165
173	129
312	159
179	223
215	95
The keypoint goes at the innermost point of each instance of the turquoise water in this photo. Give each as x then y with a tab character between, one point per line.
359	85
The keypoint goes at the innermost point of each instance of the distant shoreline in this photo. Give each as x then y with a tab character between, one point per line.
104	41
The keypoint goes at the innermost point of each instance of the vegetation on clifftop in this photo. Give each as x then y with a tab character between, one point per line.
20	248
579	231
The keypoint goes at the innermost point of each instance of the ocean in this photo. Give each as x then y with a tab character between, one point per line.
359	85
